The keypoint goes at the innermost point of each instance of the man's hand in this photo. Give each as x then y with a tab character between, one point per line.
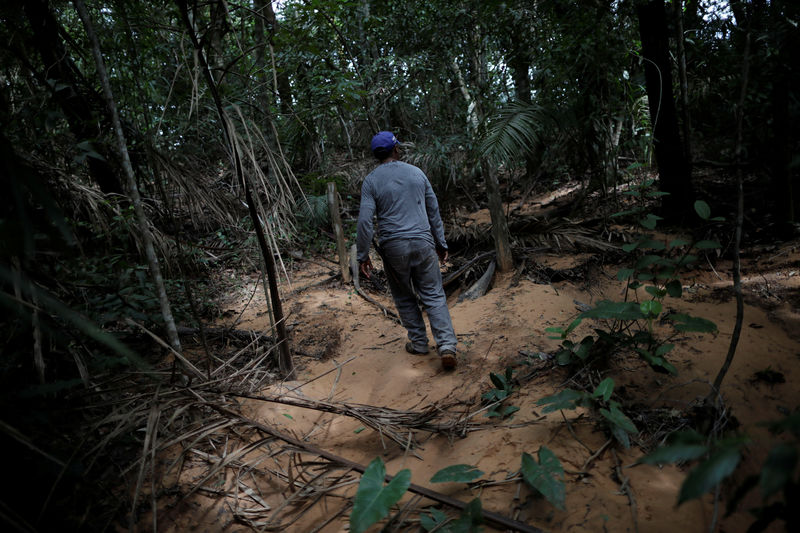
365	267
442	253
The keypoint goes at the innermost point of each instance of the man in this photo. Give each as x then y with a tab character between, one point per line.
410	236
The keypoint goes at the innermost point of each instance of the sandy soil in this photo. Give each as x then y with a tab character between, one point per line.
352	353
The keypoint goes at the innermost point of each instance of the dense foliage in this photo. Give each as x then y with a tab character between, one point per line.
547	92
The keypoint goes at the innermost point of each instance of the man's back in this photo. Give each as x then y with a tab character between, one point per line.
404	202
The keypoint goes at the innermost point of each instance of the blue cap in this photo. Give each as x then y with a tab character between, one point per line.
383	142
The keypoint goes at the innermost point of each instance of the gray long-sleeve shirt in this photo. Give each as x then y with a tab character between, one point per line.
403	199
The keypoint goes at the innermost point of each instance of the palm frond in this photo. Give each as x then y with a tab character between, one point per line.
515	132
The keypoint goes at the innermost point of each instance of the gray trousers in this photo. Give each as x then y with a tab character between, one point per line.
412	268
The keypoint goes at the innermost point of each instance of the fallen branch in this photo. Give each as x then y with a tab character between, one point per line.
494	519
452	277
480	287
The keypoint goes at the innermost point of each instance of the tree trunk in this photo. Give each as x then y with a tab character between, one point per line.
686	122
141	218
500	233
673	170
285	363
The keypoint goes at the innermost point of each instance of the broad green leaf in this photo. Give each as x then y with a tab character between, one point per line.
456	474
434	521
702	209
664	349
707	245
582	349
618	418
566	399
627	212
604	389
624	273
657	194
470	520
655	291
652	244
633	192
650	221
678	242
614	310
682	451
547	476
647	260
564	357
574	324
508	410
778	469
687	323
498	381
674	288
629	247
374	500
686	260
709	473
622	436
651	308
656	361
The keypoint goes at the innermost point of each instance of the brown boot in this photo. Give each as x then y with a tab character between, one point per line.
448	359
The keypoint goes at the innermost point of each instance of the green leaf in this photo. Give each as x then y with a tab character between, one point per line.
624	273
604	389
778	469
627	212
359	429
618	418
674	288
614	310
655	361
566	399
547	476
374	500
652	244
470	520
655	292
702	209
434	521
456	474
508	410
709	473
650	221
647	260
678	242
674	453
651	308
574	324
707	245
629	247
687	323
664	349
498	381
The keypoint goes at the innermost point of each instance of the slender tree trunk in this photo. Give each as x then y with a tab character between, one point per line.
674	173
133	190
686	122
500	232
285	363
737	271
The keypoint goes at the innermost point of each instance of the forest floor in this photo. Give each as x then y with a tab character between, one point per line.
348	352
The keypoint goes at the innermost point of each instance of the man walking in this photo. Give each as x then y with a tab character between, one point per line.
411	236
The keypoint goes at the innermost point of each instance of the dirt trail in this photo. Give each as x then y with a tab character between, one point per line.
360	357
